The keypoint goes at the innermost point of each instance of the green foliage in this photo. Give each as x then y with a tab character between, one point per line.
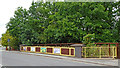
65	22
0	42
88	39
14	42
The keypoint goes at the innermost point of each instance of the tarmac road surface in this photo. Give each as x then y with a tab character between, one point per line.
19	59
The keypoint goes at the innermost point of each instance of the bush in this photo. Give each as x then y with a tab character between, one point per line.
89	39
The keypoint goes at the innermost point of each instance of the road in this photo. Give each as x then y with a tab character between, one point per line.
0	57
20	59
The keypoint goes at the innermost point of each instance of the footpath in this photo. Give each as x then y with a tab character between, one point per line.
102	61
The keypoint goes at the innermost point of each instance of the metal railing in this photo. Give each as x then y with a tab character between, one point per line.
99	52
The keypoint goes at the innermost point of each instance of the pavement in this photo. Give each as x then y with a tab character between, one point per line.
119	63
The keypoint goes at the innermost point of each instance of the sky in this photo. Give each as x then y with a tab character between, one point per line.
7	8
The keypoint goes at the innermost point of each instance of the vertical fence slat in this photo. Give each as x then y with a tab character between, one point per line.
35	49
53	49
60	50
116	51
85	52
100	52
69	51
113	52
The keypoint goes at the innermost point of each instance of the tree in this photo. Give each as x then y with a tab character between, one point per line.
14	42
0	42
65	22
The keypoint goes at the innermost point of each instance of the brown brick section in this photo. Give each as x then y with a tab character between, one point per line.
37	49
72	51
118	50
28	48
21	48
65	51
50	50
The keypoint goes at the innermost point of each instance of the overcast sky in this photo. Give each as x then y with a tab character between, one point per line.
7	8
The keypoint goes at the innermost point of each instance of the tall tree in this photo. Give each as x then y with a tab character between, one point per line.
63	22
